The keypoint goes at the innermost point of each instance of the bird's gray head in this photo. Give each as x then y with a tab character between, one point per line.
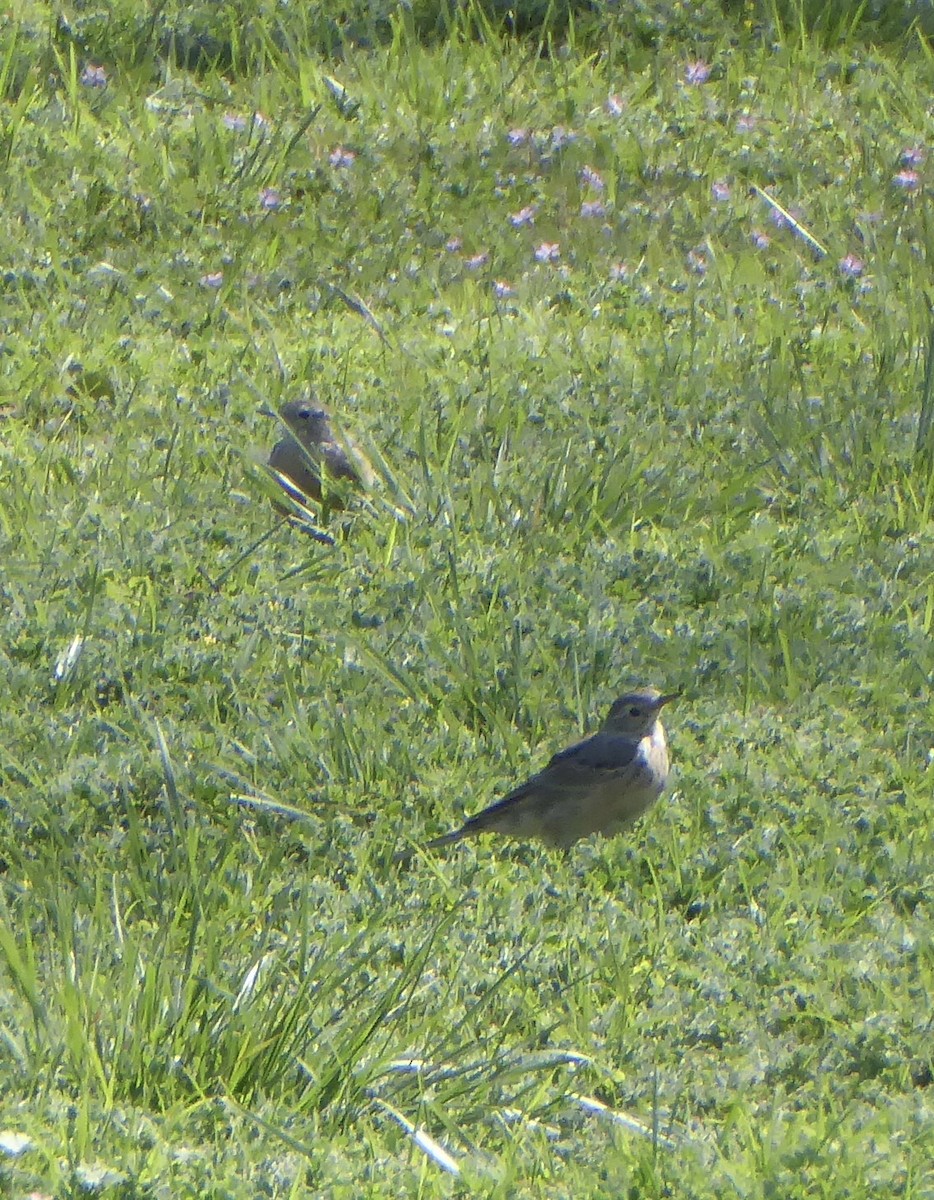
636	713
308	422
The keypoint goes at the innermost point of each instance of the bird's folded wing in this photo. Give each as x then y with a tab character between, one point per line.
574	771
600	755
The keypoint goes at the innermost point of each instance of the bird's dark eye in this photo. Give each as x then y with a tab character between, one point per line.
635	712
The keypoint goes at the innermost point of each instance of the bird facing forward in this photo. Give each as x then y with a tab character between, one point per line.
309	451
600	785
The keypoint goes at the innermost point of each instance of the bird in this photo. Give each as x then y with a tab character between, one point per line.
311	450
600	785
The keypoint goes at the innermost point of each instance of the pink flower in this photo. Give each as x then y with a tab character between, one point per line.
614	105
525	216
270	199
720	191
341	158
239	122
94	75
851	266
592	178
914	156
696	71
909	181
697	261
548	252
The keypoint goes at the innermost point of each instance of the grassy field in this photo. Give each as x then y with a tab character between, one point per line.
631	424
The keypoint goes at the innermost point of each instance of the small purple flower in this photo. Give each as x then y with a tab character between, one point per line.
560	137
760	240
270	199
914	156
94	76
614	105
908	181
592	178
746	123
341	158
720	191
452	245
620	272
214	279
548	252
696	71
517	137
851	266
525	216
593	208
503	290
476	261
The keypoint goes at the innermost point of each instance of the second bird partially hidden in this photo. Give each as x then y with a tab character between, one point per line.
600	785
311	452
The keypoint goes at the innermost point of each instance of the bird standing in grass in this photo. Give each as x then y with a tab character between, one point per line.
600	785
311	452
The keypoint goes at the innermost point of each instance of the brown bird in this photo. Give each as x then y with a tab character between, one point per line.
310	450
600	785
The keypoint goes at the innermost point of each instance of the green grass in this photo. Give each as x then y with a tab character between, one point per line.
674	454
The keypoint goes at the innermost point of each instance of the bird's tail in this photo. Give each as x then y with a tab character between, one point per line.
405	856
446	839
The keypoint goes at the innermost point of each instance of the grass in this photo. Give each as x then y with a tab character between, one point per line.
681	446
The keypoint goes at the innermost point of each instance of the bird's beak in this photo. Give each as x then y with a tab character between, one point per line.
662	700
266	411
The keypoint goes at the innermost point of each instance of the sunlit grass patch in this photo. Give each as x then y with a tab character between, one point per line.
635	339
